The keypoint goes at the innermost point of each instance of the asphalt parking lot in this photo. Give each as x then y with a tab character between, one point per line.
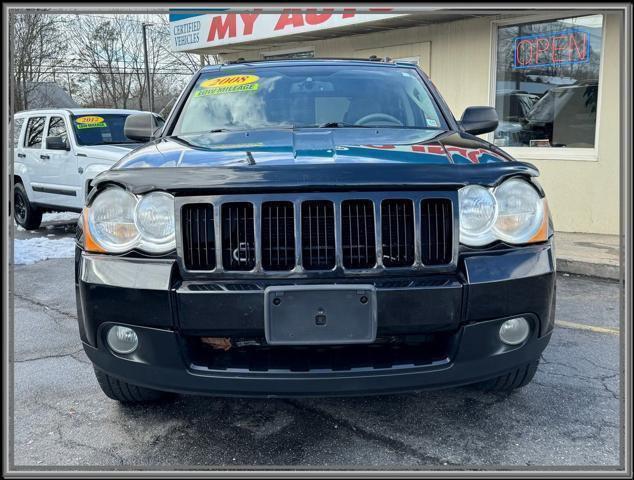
568	416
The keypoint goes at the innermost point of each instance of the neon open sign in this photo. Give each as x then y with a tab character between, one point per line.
558	48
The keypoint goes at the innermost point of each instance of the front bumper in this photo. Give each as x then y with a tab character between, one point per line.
467	307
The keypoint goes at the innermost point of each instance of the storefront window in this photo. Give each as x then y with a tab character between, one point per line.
547	83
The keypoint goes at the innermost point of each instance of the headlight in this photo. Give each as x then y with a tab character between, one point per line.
513	212
520	211
478	211
111	220
118	221
154	218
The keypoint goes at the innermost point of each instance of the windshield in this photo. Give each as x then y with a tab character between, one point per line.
301	96
102	129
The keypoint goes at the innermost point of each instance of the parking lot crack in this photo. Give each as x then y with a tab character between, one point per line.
77	444
603	380
46	357
45	306
389	442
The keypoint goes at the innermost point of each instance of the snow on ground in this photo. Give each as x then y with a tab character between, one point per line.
57	216
54	217
31	250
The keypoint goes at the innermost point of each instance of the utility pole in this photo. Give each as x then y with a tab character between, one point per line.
150	95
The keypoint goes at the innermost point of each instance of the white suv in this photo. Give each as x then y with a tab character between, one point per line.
58	152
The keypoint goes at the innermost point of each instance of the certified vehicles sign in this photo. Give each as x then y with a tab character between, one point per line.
190	29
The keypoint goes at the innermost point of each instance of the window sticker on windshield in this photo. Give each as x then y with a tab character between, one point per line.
90	121
228	84
432	123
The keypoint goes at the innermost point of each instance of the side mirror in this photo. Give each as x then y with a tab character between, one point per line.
477	120
140	127
57	143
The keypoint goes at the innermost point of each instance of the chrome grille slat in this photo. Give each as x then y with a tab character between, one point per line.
238	236
194	222
318	241
359	247
292	234
436	231
278	237
397	239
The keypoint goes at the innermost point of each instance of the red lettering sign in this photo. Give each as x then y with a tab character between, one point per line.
248	19
295	19
568	46
219	27
314	18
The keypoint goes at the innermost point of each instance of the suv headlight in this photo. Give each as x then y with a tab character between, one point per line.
118	221
478	212
520	211
512	212
154	217
111	220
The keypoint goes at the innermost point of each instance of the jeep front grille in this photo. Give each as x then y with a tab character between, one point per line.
332	234
198	236
436	231
357	234
238	236
278	236
397	232
318	235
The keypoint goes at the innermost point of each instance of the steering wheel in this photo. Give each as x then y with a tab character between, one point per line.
373	117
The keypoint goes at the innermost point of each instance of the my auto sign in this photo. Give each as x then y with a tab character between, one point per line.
195	30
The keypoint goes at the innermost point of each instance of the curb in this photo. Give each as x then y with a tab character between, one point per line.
600	270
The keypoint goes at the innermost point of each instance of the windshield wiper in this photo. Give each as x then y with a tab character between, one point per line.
339	125
244	129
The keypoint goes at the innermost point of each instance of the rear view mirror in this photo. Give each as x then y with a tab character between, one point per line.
57	143
477	120
141	127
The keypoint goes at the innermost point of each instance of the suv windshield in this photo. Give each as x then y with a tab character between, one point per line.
301	96
101	129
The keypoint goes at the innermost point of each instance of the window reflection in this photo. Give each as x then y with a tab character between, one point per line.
547	83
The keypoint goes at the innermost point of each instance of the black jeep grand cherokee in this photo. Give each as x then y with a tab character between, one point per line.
320	227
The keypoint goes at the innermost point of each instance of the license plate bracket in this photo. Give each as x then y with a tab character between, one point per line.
320	314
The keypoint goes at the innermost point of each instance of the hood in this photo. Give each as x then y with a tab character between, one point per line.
315	146
107	152
313	159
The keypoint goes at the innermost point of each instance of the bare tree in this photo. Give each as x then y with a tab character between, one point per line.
109	50
100	60
38	48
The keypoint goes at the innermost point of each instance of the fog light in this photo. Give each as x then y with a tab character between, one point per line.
514	331
122	339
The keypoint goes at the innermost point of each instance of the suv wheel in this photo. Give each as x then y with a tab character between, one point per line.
25	214
126	392
517	378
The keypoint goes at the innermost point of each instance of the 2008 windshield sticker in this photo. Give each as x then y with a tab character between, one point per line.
90	121
228	84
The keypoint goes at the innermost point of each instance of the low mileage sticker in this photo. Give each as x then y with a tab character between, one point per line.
90	121
228	84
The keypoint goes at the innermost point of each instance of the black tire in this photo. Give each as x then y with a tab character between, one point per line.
517	378
125	392
25	214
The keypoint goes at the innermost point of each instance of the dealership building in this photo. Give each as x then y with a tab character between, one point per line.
553	76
